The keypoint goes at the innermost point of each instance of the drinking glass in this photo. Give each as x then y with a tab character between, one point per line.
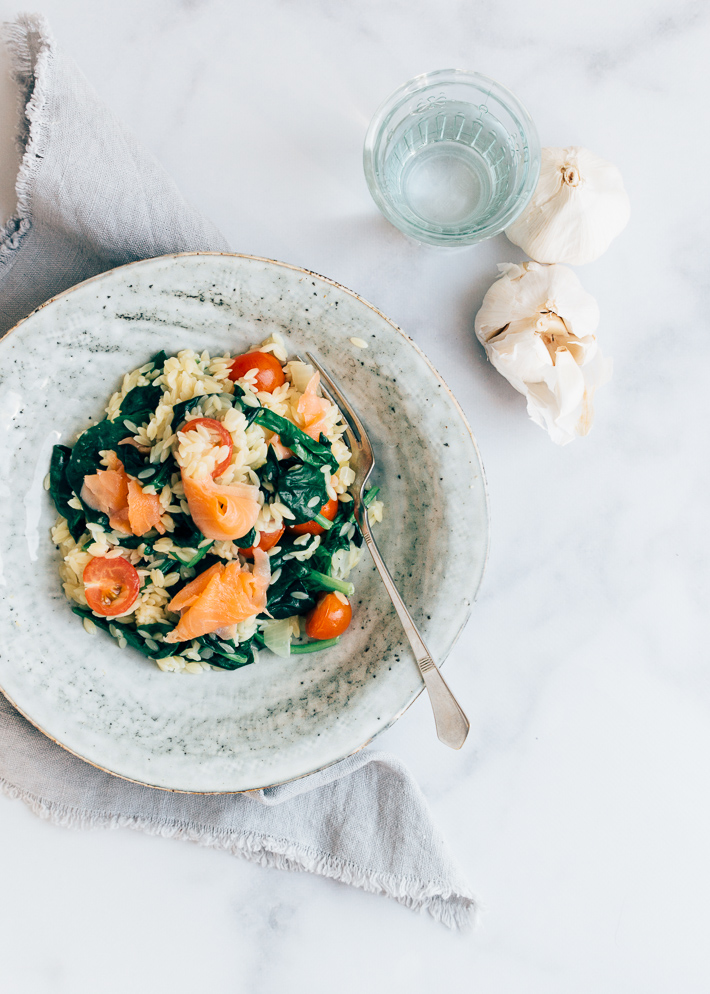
452	157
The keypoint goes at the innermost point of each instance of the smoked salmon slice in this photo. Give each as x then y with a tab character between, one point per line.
115	494
227	595
312	409
189	593
144	510
221	513
281	451
107	491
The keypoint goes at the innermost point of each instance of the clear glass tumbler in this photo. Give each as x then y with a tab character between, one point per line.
451	158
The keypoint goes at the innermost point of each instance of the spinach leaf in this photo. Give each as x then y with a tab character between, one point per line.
249	411
133	460
85	458
185	406
269	472
200	554
161	627
186	534
168	565
221	655
133	541
163	473
159	359
247	540
139	403
281	599
241	655
156	628
137	464
61	492
312	453
332	541
302	488
181	409
131	635
137	407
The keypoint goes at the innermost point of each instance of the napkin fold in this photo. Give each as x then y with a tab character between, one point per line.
89	197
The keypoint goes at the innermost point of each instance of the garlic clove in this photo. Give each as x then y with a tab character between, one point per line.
537	324
530	288
578	208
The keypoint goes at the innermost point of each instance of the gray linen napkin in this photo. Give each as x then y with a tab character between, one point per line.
89	198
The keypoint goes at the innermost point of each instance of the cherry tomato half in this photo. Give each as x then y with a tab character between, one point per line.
111	585
328	511
329	618
267	540
224	438
269	371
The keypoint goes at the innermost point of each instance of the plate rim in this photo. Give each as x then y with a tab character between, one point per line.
452	398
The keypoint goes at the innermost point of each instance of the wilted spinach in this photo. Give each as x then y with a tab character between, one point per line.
131	636
302	489
300	583
181	409
86	460
282	602
246	541
269	472
240	655
311	453
302	445
61	492
139	403
186	533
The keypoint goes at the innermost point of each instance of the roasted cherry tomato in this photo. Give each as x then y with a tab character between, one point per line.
328	511
329	618
267	540
223	438
269	371
111	585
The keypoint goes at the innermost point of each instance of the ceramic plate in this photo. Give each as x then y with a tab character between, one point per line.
281	718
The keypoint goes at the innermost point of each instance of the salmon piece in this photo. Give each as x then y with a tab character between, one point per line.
120	521
143	449
107	491
189	593
221	513
261	572
231	594
281	450
144	510
312	409
117	495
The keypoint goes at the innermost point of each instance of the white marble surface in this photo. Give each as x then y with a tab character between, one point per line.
579	806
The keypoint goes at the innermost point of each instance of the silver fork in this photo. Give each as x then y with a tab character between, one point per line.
451	723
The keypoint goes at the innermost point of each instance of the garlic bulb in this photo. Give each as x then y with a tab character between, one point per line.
578	208
537	324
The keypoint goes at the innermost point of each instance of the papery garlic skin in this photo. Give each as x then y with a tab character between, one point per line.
537	324
579	206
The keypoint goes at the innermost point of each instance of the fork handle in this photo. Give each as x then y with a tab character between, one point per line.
451	723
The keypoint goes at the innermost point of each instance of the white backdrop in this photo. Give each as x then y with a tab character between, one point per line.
579	805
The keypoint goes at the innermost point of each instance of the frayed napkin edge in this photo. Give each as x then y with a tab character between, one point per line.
30	75
453	909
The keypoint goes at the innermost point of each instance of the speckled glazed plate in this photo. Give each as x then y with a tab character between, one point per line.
281	718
